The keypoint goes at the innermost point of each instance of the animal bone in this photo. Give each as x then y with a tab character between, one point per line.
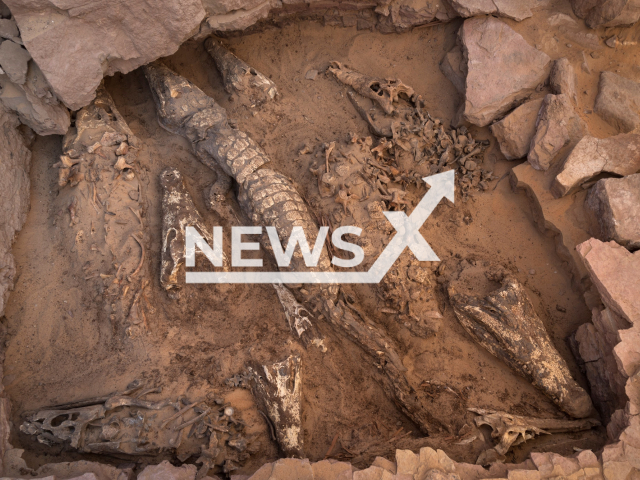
239	77
178	212
506	324
124	424
380	128
298	318
268	198
277	389
98	195
384	92
513	429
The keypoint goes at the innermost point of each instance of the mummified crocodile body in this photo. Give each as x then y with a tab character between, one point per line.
101	191
270	198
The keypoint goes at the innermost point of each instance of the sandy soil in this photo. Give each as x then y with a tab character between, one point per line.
60	347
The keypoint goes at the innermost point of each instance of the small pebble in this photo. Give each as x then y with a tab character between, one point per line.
532	272
311	74
229	411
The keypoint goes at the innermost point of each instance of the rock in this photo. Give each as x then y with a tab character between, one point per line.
386	464
616	274
613	208
84	470
551	214
407	462
406	14
503	69
563	79
4	11
618	101
596	342
291	468
15	162
332	470
35	103
515	131
166	471
242	17
591	156
524	475
453	67
9	29
371	473
514	9
311	74
607	13
558	125
75	44
14	60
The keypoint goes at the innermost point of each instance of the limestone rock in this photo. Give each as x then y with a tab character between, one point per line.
514	9
591	156
9	29
386	464
83	470
332	469
242	17
613	207
14	60
558	125
15	162
596	342
515	131
35	103
607	13
616	274
618	101
454	68
563	79
77	43
503	69
166	471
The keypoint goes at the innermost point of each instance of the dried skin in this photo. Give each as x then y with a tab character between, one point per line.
178	212
299	319
238	77
384	92
128	424
100	189
269	198
506	324
277	389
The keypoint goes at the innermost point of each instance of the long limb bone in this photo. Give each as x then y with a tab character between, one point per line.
238	77
506	324
270	198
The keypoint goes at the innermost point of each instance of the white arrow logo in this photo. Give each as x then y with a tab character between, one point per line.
407	235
